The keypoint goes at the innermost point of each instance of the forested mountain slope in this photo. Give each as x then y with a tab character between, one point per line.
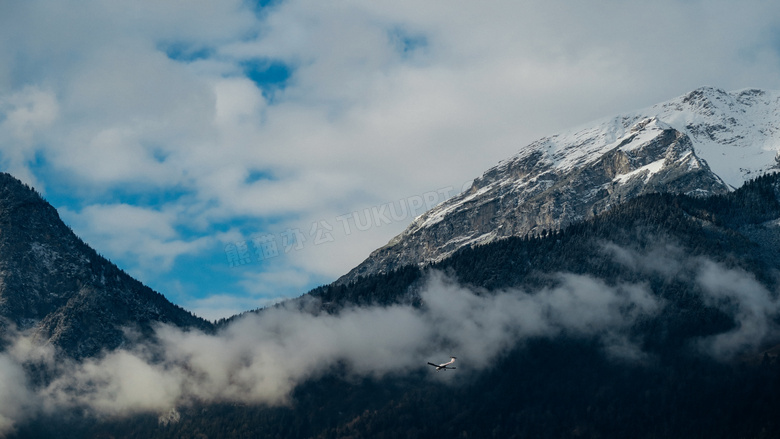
686	352
55	285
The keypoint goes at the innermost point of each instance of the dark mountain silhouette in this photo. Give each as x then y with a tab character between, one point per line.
55	285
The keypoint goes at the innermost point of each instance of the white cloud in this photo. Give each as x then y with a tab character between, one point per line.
121	383
262	283
24	115
733	291
16	398
261	358
753	307
147	236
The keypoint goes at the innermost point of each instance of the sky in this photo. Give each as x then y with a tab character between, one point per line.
230	154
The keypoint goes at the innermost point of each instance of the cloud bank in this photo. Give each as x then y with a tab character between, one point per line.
260	359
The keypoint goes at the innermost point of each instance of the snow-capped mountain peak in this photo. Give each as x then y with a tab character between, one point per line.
735	133
725	129
706	142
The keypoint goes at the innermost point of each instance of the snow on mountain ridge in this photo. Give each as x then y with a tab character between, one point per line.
705	142
735	133
561	154
713	118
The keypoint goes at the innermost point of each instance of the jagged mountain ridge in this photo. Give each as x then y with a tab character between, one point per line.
53	284
706	142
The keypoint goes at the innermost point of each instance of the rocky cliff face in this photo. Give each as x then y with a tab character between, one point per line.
57	287
706	142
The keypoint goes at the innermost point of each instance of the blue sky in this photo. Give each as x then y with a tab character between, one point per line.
230	154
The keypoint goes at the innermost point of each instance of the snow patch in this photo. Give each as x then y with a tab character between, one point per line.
647	170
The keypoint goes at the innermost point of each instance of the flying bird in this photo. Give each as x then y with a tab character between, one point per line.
443	366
